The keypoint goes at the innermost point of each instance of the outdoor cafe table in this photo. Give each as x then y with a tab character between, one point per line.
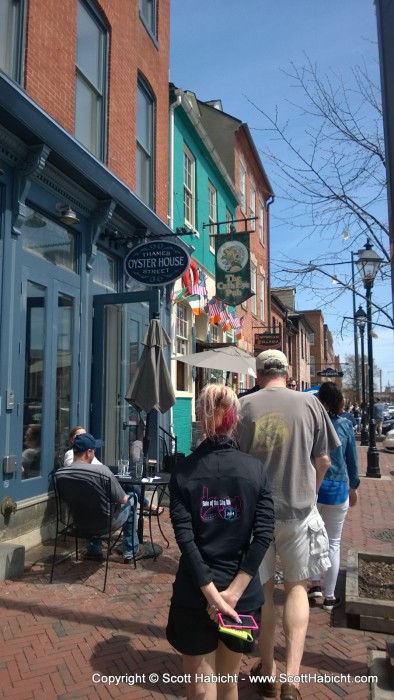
158	482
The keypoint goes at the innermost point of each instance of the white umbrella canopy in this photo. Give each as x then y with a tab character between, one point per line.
151	387
228	359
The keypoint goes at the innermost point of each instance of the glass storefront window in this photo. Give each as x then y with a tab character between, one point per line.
49	240
104	270
63	373
34	380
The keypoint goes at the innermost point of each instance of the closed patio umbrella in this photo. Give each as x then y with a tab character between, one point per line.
151	388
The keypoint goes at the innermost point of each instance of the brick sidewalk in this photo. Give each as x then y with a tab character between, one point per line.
57	641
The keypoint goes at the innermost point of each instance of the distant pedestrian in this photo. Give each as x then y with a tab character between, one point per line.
378	414
337	492
292	383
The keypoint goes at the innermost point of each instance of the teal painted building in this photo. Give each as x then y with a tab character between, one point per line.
203	194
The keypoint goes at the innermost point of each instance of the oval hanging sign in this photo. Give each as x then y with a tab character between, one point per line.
157	262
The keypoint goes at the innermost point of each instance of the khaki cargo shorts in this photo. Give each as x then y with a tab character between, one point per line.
302	547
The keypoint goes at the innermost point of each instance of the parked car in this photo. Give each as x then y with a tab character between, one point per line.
390	410
388	442
387	425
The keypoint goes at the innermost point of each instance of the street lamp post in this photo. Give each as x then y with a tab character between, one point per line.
361	319
368	265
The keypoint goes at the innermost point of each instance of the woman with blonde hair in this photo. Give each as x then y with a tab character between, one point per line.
223	518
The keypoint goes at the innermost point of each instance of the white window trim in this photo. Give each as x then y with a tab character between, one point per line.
190	191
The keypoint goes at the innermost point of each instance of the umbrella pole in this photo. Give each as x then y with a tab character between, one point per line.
145	451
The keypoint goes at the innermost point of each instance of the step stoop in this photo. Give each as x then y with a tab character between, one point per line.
12	561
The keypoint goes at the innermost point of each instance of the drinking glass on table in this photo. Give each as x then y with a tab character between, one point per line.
139	468
125	465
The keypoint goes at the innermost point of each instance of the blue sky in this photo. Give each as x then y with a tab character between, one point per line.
241	50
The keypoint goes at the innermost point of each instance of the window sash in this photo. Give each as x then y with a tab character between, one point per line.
188	187
262	297
11	38
145	145
261	222
212	217
242	186
253	286
89	120
148	12
252	207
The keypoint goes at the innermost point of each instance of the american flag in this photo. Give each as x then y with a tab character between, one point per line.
213	311
225	320
199	289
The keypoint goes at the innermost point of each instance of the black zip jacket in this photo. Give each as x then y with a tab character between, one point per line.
223	518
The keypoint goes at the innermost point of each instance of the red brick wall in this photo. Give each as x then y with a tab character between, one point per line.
50	78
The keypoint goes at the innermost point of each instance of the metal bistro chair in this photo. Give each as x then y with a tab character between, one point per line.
85	502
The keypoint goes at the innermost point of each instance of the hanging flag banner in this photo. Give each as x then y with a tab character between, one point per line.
232	268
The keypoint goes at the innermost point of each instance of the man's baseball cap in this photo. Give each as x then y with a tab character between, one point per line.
84	442
271	358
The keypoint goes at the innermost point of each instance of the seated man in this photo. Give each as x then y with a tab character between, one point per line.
124	511
68	457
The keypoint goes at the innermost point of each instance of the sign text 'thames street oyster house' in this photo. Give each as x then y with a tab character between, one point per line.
81	274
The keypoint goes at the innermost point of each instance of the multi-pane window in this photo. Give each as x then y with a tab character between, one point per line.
148	14
262	297
49	240
261	222
212	215
188	187
182	327
90	82
104	270
311	338
253	286
242	186
289	349
145	144
11	37
229	220
252	207
181	341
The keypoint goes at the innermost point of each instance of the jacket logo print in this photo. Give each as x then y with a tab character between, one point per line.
220	508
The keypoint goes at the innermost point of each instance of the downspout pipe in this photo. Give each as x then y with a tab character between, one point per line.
173	107
269	202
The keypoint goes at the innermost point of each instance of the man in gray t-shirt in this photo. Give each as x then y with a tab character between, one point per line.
292	435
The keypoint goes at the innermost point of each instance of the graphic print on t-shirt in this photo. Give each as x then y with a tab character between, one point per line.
271	432
220	507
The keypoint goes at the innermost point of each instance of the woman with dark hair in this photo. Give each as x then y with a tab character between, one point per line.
223	518
338	491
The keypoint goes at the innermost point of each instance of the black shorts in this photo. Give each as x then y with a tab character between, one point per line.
192	632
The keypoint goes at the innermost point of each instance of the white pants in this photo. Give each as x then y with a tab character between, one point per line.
333	517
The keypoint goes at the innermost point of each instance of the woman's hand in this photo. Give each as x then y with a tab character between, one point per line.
352	497
222	607
217	603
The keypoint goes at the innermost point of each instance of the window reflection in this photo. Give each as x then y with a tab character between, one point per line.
63	373
47	239
34	380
